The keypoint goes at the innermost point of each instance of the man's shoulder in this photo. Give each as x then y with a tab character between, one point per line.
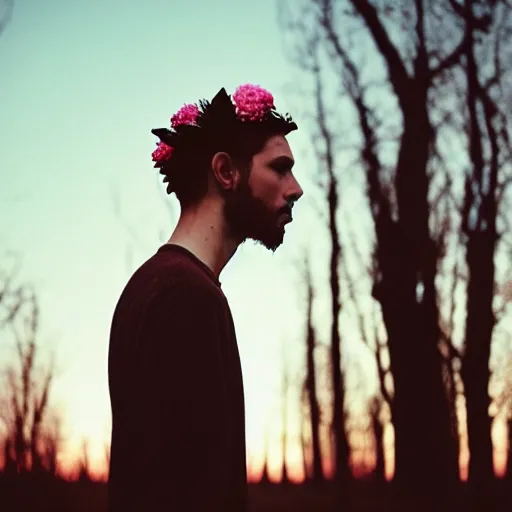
173	275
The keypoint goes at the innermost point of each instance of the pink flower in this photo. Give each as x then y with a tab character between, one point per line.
162	152
185	115
252	102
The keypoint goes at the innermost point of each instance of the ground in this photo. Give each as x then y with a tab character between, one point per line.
61	496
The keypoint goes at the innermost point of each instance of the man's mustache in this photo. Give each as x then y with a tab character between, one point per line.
286	210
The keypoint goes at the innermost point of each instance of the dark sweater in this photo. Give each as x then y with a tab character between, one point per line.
176	391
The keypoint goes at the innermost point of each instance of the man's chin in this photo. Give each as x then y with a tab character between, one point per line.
271	241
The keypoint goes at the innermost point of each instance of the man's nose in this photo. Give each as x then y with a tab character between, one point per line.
295	192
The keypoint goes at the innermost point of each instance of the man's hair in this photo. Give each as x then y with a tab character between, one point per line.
216	129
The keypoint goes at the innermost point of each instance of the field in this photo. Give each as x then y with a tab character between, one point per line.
61	496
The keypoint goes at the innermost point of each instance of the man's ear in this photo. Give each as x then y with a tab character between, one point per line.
224	171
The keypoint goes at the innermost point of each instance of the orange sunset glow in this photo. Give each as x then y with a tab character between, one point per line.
362	460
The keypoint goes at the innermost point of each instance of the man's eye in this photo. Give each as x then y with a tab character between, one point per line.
280	169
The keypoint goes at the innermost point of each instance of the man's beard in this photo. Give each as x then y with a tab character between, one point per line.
249	218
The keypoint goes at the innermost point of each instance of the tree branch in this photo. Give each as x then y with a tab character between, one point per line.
451	60
6	18
397	70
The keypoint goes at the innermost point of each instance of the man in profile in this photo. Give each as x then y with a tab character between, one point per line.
175	379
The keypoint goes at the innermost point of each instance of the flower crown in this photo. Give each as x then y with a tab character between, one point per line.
250	104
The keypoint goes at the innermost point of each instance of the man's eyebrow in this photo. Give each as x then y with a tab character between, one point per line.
285	161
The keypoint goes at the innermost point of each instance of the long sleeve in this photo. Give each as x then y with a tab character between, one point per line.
181	401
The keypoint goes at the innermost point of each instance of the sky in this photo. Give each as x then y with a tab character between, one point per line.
83	83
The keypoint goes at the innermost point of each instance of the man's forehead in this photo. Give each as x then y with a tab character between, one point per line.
277	146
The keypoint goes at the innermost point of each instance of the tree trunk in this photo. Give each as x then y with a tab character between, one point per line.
341	448
425	448
479	225
342	472
378	436
475	368
508	473
304	443
265	477
317	474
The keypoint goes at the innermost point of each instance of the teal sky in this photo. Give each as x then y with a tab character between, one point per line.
82	85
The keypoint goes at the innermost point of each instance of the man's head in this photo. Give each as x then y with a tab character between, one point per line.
258	199
233	149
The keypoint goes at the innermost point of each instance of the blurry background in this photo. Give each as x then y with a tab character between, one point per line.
376	343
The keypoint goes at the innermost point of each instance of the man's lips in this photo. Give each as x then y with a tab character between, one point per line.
285	218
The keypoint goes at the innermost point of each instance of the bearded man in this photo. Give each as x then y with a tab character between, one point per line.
175	379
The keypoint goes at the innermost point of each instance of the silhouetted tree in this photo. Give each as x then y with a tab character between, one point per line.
368	326
265	477
375	410
508	471
326	153
285	391
84	466
311	382
487	34
107	457
24	399
305	424
503	404
390	63
338	427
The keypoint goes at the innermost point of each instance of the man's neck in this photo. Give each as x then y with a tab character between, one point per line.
202	230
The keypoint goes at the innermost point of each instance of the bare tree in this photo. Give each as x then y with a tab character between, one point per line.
305	424
107	458
369	331
508	471
310	387
390	62
265	476
326	154
285	392
25	398
486	33
342	449
502	403
51	444
375	411
84	466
